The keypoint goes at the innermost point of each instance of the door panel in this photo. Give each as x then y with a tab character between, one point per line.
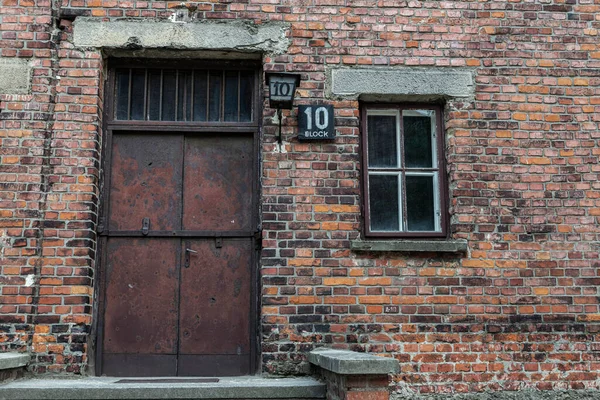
218	182
139	364
146	181
215	298
213	365
141	300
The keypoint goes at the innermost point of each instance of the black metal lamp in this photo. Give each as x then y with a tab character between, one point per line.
282	87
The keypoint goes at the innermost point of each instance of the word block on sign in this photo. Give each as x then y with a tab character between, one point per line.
316	122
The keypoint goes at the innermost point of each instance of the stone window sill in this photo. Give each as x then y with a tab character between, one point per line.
429	246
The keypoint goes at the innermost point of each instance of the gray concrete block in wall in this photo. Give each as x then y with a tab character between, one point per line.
435	82
164	34
15	76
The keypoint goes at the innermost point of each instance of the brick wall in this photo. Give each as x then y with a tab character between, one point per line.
48	187
519	309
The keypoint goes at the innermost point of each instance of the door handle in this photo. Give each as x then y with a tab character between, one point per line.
187	257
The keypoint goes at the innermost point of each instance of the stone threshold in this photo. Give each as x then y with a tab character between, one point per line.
246	387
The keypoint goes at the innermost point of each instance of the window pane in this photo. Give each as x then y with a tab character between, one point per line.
189	77
154	95
231	95
168	101
200	96
180	95
122	83
184	95
138	87
418	152
246	93
215	96
381	131
184	98
383	202
420	210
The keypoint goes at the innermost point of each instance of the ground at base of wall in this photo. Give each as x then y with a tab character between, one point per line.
504	395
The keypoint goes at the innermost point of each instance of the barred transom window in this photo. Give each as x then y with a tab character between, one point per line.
186	95
404	174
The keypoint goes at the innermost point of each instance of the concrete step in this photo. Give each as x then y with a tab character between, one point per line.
12	365
247	387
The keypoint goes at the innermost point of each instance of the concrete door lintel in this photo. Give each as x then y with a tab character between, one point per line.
231	35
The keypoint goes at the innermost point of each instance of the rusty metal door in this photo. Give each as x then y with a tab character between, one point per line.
179	255
178	243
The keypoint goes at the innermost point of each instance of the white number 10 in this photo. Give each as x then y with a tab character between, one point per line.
321	118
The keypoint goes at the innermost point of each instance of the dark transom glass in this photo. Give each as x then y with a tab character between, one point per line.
156	94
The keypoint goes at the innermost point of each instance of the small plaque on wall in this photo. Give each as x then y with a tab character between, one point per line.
316	122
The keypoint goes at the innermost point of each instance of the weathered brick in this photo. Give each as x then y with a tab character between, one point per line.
521	165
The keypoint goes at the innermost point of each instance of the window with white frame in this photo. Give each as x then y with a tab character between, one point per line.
404	182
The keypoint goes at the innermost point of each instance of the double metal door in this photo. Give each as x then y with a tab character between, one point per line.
178	251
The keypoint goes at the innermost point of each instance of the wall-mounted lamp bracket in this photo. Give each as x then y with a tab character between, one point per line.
282	87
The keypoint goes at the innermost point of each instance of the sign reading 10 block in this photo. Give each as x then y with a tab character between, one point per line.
316	122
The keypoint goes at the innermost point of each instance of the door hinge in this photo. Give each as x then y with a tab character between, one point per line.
101	227
258	239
